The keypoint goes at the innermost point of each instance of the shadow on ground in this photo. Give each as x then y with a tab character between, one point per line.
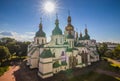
26	74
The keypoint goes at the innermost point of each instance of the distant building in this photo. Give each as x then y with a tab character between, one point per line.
63	52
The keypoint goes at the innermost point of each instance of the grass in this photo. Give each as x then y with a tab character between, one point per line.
3	69
5	65
113	62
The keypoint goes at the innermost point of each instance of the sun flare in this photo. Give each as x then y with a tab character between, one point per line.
49	6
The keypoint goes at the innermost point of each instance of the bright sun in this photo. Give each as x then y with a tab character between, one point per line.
49	6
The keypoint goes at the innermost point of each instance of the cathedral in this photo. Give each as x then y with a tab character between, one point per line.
64	51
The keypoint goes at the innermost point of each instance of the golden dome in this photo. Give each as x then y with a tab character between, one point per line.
69	27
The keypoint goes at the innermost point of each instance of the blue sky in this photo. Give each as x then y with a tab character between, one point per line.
21	18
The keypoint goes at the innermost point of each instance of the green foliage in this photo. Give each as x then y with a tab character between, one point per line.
4	53
3	70
102	49
116	52
15	47
104	52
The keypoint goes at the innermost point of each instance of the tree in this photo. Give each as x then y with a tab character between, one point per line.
109	54
15	47
4	53
116	52
102	49
11	46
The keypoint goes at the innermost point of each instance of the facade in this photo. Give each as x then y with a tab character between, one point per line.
63	52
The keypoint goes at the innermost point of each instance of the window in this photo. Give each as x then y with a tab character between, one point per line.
37	41
56	41
42	41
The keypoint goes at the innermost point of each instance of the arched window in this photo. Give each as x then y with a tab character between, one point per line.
42	41
37	41
56	41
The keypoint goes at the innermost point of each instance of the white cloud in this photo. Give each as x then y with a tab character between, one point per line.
27	36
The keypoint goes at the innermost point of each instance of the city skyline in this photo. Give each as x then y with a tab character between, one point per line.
20	19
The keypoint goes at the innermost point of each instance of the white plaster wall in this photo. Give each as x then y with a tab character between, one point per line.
40	40
44	60
34	59
79	59
34	63
58	51
71	42
45	67
60	39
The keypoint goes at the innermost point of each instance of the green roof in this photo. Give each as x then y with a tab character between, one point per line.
57	31
86	37
69	36
69	49
40	33
65	43
56	64
46	54
63	63
81	38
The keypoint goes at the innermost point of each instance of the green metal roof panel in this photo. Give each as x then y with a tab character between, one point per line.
69	49
86	37
69	36
46	54
56	64
57	31
63	63
40	33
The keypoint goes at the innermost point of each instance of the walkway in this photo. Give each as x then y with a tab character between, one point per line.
8	76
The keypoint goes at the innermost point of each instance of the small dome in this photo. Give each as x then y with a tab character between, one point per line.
57	31
40	33
69	27
69	36
86	37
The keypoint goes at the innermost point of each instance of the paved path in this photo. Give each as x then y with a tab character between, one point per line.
8	76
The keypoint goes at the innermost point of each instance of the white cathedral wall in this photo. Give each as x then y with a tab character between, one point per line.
68	55
83	49
58	52
70	42
59	38
67	32
42	40
34	63
45	60
45	66
41	50
75	52
34	59
89	62
79	59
